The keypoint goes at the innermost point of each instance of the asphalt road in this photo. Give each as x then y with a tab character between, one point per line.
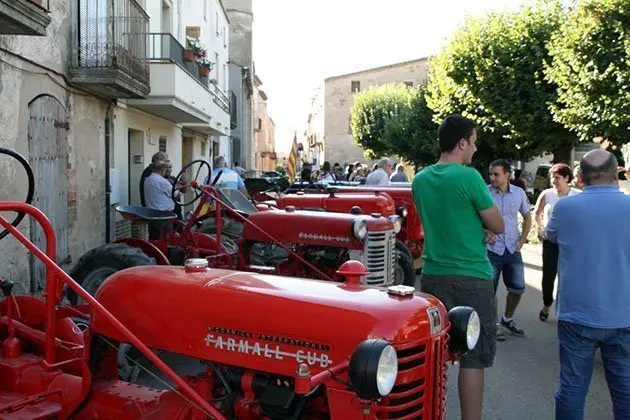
524	379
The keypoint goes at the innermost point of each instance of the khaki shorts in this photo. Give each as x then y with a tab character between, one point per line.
454	290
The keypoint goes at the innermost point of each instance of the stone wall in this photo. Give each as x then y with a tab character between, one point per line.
339	99
29	68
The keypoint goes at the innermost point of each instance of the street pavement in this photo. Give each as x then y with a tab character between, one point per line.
524	379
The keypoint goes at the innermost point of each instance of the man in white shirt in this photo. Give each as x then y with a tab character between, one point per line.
381	175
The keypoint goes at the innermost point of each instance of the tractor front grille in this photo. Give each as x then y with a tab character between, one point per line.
380	257
420	390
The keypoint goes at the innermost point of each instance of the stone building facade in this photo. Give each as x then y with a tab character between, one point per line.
88	102
339	92
264	131
241	68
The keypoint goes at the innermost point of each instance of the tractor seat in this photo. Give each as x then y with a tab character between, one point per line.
144	213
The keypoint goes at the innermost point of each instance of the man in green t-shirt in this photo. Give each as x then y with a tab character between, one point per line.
459	217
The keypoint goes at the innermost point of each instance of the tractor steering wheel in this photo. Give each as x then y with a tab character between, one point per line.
182	182
31	185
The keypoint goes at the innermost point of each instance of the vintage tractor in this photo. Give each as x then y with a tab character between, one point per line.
284	242
371	203
411	233
266	347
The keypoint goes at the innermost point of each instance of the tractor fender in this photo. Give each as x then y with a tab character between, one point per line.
99	263
148	248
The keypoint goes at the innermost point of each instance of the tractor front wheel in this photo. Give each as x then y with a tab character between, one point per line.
98	264
404	271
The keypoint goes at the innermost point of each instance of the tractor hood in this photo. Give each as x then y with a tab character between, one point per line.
342	203
311	227
257	321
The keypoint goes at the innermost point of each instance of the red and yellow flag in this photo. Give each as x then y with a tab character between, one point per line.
293	158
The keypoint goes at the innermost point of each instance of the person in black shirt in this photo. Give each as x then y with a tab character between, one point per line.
159	156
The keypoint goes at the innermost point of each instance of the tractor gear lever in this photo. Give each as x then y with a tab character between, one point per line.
7	287
12	346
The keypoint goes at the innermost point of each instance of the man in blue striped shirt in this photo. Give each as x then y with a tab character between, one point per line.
505	252
592	230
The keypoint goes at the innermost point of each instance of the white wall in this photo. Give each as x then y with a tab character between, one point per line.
210	17
153	129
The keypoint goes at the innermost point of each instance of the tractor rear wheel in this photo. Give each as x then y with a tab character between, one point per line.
99	263
404	271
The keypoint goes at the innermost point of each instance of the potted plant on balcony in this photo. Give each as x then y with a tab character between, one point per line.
205	65
193	49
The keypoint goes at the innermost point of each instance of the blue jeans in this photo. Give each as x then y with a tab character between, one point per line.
511	265
578	344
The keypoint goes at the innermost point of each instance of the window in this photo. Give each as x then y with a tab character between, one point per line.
205	10
216	19
203	147
162	143
350	125
408	83
355	86
224	38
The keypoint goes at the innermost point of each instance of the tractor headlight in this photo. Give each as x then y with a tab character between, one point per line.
397	223
402	211
359	229
373	369
465	329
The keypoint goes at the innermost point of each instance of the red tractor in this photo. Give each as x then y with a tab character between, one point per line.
375	204
299	349
369	199
285	242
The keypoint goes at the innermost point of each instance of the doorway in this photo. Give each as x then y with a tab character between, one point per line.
48	156
136	165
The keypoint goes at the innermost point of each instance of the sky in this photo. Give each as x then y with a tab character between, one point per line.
299	43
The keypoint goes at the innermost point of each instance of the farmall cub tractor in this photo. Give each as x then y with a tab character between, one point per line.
388	201
283	242
377	205
266	347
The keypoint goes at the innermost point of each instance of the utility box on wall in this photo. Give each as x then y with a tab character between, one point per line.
114	185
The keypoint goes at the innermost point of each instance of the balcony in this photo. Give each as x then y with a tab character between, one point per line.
24	17
179	92
110	49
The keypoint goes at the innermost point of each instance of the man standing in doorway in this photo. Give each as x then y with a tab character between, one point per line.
592	231
157	157
459	218
505	253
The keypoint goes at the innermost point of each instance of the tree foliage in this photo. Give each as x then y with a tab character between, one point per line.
395	120
591	67
493	72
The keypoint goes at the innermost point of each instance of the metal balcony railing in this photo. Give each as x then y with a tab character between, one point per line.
165	47
113	34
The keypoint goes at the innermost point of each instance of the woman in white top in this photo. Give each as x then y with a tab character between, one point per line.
560	176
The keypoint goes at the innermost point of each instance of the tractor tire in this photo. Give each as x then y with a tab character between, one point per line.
404	271
99	263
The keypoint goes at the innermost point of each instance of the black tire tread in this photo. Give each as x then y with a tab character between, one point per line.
115	255
407	263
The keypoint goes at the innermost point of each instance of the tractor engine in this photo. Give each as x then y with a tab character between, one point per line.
326	258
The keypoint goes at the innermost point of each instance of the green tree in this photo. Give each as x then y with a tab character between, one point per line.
591	66
493	72
394	119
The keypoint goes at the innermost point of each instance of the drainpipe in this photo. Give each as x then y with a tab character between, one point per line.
109	117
